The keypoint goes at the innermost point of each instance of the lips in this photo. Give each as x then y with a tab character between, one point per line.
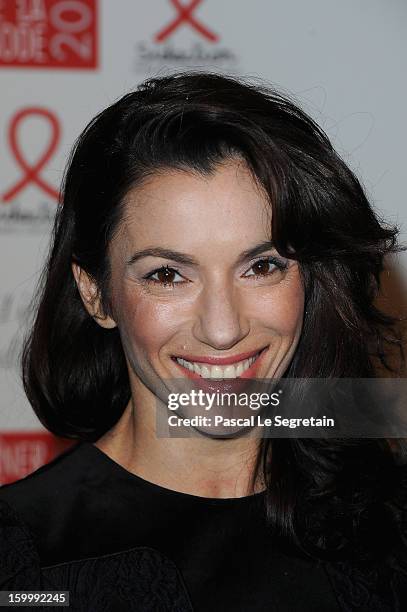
221	361
241	383
243	365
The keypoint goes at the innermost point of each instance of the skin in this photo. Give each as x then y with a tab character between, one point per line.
218	307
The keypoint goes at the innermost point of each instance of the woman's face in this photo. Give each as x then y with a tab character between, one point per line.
194	277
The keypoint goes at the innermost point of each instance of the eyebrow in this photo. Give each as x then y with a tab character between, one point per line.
183	258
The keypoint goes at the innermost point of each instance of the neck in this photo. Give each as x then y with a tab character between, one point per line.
197	465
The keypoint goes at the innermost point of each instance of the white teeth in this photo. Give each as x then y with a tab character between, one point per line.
229	372
239	369
207	371
189	365
216	372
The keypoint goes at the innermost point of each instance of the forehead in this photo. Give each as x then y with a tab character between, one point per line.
173	206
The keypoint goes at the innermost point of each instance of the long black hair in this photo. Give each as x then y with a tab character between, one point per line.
324	494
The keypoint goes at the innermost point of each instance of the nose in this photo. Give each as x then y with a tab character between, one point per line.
220	319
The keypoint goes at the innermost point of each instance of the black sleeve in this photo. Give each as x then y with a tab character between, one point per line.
19	561
368	589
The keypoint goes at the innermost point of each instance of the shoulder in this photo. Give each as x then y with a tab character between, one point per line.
45	501
69	502
50	482
379	584
368	587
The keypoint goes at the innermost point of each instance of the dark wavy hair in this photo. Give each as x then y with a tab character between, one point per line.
328	496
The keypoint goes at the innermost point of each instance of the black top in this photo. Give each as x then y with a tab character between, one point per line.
119	543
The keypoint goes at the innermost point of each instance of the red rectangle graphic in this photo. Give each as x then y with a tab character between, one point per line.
49	34
23	452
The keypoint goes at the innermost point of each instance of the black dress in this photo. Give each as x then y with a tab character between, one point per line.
116	542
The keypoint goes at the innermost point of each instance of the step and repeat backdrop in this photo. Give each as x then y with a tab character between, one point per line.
62	61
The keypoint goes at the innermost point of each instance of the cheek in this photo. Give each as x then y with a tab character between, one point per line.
281	307
287	311
145	324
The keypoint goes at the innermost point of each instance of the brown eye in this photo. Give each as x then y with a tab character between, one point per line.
267	266
262	267
165	275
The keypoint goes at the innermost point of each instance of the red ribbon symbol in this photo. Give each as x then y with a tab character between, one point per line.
185	14
31	173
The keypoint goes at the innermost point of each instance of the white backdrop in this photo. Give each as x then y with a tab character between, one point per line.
61	61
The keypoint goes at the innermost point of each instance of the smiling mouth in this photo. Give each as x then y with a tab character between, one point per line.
209	371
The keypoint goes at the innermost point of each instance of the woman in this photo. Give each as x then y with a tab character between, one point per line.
208	230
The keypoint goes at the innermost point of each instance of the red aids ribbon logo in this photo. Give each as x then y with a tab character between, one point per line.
32	172
185	15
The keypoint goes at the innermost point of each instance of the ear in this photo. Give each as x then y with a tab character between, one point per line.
90	295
